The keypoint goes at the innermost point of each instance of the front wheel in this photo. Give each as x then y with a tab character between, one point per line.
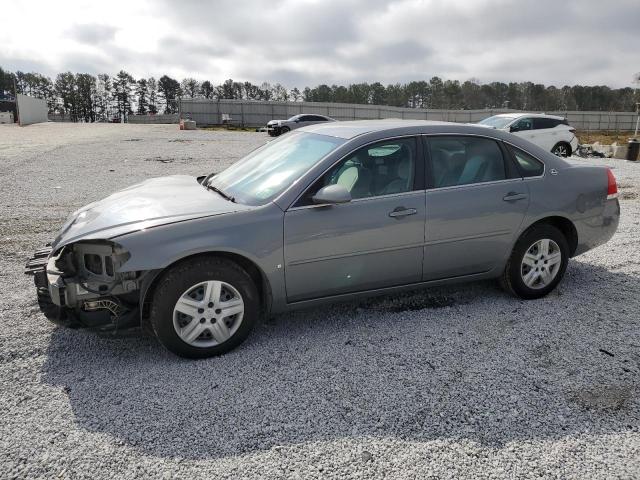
537	263
284	130
204	307
562	149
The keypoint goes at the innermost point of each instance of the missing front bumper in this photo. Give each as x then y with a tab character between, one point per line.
102	313
50	300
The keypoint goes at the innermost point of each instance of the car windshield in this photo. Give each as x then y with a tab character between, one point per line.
268	171
497	121
293	119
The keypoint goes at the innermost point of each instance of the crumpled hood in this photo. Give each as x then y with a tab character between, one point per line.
154	202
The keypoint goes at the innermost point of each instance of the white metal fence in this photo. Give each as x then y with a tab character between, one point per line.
258	113
159	118
31	110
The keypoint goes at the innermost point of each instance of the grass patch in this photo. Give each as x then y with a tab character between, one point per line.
605	138
228	128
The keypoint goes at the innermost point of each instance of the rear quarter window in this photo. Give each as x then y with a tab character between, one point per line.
528	166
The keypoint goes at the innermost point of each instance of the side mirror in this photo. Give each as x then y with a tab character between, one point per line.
332	194
297	120
514	128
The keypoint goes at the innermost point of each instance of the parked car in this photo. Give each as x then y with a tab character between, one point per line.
278	127
554	134
326	213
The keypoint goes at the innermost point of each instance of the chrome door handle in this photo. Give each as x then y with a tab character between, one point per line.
513	196
402	212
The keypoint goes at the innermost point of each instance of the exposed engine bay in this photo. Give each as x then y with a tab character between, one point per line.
80	285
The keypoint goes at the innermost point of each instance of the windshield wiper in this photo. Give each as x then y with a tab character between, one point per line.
221	193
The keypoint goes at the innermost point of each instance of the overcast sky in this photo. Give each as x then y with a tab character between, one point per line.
305	43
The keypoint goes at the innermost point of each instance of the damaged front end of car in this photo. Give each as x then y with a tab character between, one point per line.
80	285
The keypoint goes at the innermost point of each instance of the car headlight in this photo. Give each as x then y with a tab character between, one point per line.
99	260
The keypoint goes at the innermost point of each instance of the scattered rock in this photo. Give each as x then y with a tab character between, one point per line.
603	398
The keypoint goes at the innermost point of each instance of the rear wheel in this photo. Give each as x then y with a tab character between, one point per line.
537	263
562	149
204	307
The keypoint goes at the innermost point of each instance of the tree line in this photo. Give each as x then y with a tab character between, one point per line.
89	98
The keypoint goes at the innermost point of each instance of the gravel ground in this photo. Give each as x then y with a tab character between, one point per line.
447	383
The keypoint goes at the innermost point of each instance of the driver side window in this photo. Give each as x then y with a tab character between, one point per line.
383	168
522	124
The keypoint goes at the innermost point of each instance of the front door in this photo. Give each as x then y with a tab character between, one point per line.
524	128
475	205
375	240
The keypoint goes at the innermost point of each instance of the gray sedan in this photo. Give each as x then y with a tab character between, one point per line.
278	127
326	213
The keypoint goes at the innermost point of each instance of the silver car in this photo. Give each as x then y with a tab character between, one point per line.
278	127
326	213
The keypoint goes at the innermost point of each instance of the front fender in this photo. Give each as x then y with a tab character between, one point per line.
256	235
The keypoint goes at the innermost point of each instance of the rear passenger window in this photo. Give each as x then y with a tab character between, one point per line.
542	123
528	166
465	160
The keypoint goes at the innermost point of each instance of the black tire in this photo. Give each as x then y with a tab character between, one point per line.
179	279
562	149
284	130
512	280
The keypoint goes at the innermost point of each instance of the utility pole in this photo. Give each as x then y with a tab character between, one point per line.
15	98
636	80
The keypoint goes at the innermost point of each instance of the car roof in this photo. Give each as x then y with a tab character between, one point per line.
519	114
351	129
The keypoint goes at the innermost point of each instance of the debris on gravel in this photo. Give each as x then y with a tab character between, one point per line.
456	382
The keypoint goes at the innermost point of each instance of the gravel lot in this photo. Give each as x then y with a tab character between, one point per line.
453	382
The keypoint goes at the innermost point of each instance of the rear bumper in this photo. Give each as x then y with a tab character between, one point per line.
574	144
596	231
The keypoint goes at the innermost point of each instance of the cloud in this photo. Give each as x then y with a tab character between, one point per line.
308	42
91	33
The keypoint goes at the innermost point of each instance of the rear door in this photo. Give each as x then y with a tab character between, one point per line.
312	119
546	133
375	240
305	120
476	202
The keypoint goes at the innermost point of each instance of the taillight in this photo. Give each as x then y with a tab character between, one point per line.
612	186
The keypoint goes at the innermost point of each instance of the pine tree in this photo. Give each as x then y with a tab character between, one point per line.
152	87
142	93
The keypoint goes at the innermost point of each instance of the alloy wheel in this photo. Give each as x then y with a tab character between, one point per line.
561	151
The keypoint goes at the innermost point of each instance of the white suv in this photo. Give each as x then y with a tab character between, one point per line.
547	131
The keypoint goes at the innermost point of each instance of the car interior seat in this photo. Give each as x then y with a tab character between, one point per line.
404	175
356	178
454	164
484	163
